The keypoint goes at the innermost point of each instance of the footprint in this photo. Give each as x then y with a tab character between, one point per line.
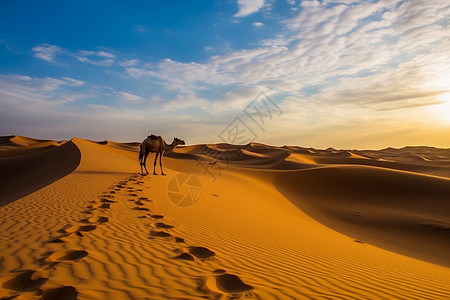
99	220
201	252
64	292
73	229
157	216
65	229
185	256
55	241
68	255
141	208
143	199
162	225
87	228
159	233
138	202
25	282
107	201
105	206
179	240
227	283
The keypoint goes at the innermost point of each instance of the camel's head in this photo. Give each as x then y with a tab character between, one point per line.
179	141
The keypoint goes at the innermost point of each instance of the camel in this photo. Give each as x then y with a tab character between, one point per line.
157	145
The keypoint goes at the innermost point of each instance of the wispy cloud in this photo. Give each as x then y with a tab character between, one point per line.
47	52
129	63
52	53
8	46
129	96
19	89
185	101
73	82
43	107
327	44
97	58
247	7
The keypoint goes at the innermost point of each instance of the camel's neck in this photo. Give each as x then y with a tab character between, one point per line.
171	146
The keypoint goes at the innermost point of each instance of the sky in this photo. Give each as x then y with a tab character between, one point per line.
343	74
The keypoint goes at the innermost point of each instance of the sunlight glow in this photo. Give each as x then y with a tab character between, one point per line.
442	111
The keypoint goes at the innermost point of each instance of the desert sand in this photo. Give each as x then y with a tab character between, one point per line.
78	221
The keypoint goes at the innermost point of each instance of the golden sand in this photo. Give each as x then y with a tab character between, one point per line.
78	221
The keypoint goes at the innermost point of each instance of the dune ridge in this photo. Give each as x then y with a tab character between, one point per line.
277	223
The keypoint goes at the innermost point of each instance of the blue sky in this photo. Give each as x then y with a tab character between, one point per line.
344	73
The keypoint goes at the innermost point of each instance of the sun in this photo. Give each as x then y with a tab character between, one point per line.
442	110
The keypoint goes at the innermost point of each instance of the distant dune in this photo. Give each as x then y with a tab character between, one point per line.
78	221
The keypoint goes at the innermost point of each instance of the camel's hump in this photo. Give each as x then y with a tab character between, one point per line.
154	137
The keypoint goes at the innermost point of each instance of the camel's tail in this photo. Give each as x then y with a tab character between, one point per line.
141	152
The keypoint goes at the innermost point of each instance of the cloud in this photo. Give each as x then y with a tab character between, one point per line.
73	82
10	47
258	24
100	58
26	96
247	7
182	102
50	84
96	53
47	52
343	53
129	96
129	63
97	58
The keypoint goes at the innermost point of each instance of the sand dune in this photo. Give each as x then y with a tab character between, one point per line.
28	164
79	222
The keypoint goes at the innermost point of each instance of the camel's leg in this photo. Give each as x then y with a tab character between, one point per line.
154	163
145	162
160	163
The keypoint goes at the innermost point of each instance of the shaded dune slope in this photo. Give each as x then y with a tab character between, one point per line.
399	211
26	165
